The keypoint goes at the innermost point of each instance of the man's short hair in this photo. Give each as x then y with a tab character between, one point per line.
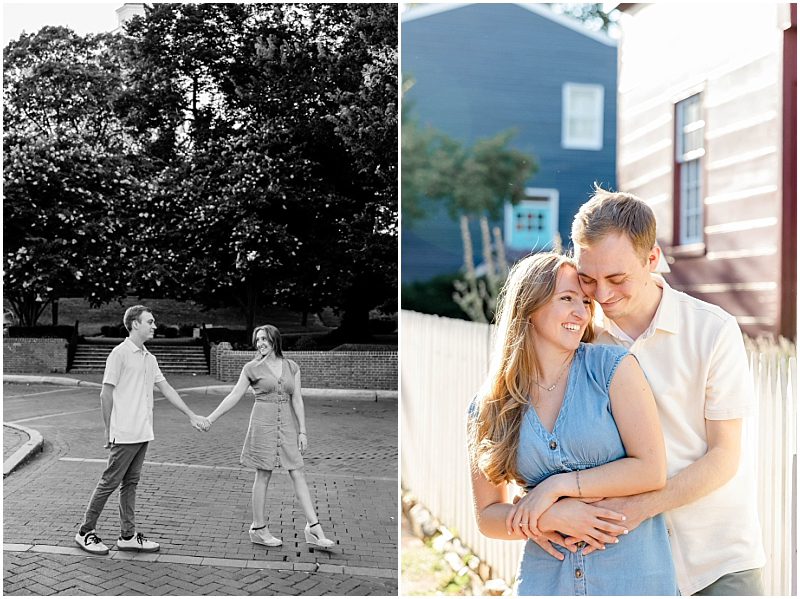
133	313
609	212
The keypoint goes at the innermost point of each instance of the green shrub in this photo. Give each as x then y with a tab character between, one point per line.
432	297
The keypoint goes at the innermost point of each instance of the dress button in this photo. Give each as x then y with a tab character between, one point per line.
578	573
580	544
553	444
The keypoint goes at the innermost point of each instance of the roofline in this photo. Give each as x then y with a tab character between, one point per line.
426	10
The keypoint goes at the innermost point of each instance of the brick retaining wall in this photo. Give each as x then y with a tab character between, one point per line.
34	355
319	370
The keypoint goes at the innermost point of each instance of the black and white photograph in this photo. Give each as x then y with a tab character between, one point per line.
200	299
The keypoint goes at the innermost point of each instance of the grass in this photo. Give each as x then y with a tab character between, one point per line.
426	573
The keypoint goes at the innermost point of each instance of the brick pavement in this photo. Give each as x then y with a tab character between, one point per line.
12	440
194	498
26	573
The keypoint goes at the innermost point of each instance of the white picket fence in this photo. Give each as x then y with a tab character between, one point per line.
443	362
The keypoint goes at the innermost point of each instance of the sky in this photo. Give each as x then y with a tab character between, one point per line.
82	18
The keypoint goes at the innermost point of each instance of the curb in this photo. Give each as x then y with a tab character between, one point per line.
167	558
48	380
24	453
311	393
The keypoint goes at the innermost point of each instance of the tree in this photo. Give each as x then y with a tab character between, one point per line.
68	177
592	15
289	120
471	182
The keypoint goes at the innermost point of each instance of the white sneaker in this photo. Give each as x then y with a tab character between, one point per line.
137	543
91	542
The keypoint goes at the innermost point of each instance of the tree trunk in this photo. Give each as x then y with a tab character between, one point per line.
249	306
27	308
354	327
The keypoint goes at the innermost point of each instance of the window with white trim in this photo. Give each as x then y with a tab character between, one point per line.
582	116
532	223
689	131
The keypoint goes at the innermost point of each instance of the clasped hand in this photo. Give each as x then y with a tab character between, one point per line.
201	423
523	517
570	521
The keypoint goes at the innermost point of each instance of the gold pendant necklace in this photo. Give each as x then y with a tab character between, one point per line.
563	370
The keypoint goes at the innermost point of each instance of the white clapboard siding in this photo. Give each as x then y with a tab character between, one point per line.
443	363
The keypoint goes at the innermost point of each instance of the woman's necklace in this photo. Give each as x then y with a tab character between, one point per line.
563	370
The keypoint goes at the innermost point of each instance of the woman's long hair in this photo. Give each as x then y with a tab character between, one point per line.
493	431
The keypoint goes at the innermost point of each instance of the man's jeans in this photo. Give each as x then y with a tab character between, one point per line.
124	467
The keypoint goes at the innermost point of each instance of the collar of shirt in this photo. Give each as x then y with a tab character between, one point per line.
665	319
133	347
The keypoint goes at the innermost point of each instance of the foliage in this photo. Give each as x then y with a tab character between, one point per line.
474	181
283	168
68	182
592	15
476	297
783	347
432	297
470	180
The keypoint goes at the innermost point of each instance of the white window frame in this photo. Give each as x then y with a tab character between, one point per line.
552	204
572	143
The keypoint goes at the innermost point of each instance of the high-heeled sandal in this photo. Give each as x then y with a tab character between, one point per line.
260	539
313	539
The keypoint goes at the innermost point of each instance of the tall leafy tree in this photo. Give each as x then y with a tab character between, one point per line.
470	181
68	176
280	124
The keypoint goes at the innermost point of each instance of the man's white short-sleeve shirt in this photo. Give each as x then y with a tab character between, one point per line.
694	358
133	372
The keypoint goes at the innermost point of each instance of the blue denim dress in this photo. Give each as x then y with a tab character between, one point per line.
584	436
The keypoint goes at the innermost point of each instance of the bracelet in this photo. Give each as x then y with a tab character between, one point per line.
302	433
578	477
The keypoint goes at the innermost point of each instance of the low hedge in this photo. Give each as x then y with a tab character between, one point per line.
42	331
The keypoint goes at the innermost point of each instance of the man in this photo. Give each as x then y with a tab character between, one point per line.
127	404
694	357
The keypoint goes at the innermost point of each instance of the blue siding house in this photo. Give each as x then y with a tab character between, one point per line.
480	69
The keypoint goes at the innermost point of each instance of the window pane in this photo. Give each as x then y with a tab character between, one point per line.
691	203
582	102
582	126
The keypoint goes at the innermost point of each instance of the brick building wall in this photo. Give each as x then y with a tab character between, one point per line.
34	355
319	370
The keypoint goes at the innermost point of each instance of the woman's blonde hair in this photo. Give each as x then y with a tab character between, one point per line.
493	431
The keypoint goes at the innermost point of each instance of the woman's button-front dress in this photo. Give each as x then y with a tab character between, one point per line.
584	436
271	439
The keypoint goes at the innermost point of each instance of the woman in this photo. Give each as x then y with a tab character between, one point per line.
563	418
272	438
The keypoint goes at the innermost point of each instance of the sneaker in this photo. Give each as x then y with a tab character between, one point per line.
91	542
137	543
